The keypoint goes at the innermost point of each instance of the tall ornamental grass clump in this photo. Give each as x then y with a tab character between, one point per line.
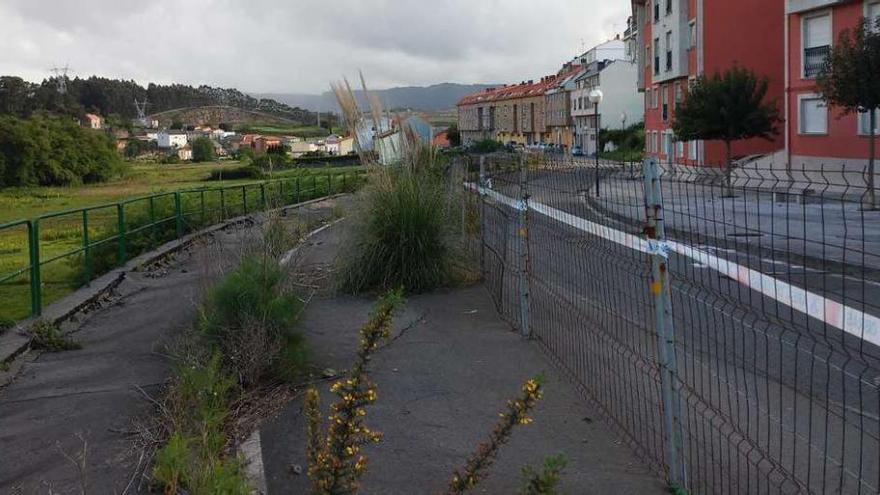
404	236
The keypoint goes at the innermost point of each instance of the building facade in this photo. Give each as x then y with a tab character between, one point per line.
171	139
680	40
815	133
621	105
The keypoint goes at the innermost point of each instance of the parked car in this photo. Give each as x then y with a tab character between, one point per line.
577	151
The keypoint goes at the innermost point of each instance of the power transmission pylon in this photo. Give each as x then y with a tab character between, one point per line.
61	78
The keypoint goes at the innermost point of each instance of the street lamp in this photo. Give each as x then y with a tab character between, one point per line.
596	98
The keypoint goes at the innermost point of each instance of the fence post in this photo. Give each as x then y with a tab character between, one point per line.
523	234
297	191
178	214
659	251
481	190
120	224
263	195
329	184
244	199
87	256
202	206
36	285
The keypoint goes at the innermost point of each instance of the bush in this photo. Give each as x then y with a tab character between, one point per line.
54	151
486	146
249	317
404	236
244	172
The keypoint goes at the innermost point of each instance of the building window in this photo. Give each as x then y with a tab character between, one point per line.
667	144
656	10
816	37
692	42
664	98
657	142
692	150
668	7
872	14
679	145
668	51
813	115
865	123
647	56
656	56
679	95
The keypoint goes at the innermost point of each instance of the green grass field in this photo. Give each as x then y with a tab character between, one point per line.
309	131
147	223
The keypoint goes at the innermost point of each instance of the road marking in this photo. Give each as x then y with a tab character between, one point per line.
851	320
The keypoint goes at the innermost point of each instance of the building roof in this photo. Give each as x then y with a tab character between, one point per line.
525	89
441	140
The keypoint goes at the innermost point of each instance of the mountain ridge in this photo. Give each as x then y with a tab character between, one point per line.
432	98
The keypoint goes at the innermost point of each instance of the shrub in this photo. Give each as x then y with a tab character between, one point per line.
486	146
250	318
545	481
404	236
198	403
245	172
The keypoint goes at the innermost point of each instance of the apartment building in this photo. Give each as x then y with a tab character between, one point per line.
621	106
680	40
816	134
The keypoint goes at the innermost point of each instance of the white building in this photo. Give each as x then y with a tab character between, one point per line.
171	139
621	106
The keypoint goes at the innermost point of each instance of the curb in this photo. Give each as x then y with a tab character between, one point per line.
15	343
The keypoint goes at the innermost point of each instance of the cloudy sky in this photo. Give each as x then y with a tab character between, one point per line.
298	46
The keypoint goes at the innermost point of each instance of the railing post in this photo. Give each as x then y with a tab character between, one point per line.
523	234
222	203
120	224
482	196
659	252
36	284
297	191
244	199
202	202
178	213
87	255
153	219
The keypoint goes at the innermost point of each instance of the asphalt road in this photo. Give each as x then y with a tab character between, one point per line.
771	400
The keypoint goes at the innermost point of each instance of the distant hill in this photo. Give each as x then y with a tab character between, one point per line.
117	97
430	98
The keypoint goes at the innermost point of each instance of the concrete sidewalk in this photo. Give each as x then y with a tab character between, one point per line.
441	384
61	404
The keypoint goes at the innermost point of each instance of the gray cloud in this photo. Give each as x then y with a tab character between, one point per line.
301	45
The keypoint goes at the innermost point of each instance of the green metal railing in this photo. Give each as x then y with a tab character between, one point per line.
49	256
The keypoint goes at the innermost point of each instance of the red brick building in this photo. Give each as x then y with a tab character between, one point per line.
679	40
816	134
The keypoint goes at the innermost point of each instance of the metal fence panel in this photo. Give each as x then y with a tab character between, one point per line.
774	296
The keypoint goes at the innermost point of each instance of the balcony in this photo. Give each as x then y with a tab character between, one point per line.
814	60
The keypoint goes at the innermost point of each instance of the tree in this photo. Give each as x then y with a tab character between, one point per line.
176	125
850	81
727	107
454	135
203	150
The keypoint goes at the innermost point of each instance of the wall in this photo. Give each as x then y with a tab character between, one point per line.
842	142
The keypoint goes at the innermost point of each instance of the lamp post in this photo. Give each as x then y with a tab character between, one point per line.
596	98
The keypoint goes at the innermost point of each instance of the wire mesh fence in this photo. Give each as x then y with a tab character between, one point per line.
756	367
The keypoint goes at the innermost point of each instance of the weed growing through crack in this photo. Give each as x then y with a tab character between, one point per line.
48	337
545	481
335	461
517	413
